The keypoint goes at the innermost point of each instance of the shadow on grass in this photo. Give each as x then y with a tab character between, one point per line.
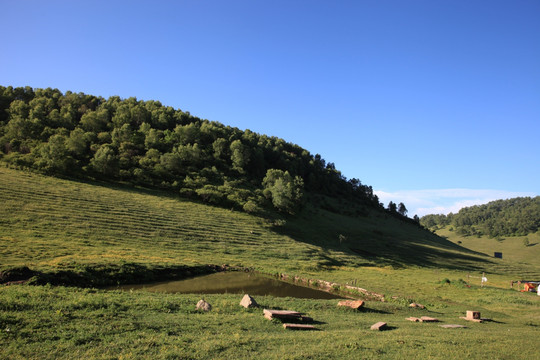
389	328
413	246
374	311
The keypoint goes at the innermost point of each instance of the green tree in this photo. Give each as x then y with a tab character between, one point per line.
239	155
401	209
77	142
105	160
95	121
285	191
55	155
220	148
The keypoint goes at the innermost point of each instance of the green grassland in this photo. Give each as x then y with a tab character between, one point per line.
517	249
64	323
53	225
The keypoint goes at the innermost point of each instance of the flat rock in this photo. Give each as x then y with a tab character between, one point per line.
248	302
473	320
428	319
281	314
423	319
416	305
453	326
379	326
353	304
203	305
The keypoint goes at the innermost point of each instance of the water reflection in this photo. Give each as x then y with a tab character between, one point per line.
233	283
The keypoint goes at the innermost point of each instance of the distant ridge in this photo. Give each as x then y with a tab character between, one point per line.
513	217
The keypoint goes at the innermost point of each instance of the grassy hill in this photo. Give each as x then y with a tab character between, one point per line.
524	251
58	226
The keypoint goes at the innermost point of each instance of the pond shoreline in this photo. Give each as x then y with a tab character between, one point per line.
234	282
100	276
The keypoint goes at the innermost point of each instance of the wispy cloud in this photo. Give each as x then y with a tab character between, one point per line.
444	201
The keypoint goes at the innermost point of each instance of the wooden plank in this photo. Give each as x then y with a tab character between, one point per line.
299	327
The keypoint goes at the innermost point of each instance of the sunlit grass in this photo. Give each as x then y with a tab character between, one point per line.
62	323
51	224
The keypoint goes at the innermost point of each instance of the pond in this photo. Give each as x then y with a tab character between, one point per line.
233	283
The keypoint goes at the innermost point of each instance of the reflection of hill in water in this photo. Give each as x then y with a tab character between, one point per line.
234	283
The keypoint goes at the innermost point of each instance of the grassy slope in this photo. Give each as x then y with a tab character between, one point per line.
48	224
513	248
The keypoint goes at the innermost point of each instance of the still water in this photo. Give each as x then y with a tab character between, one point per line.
233	283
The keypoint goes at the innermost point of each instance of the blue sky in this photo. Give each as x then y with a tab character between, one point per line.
433	103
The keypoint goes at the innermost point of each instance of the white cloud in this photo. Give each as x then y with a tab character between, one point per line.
444	201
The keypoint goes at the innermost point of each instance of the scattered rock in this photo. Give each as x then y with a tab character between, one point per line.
203	305
248	302
380	326
416	305
353	304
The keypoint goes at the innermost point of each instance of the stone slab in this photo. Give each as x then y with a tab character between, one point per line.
379	326
299	327
453	326
469	319
353	304
281	314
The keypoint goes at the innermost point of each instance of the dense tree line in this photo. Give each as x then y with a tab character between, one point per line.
513	217
147	143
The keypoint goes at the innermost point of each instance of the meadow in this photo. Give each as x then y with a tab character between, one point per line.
56	226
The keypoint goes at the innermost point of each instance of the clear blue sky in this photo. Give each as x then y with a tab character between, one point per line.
434	103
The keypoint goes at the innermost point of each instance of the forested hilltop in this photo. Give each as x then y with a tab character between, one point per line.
513	217
149	144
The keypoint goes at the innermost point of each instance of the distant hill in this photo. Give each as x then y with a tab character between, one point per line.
513	217
146	143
